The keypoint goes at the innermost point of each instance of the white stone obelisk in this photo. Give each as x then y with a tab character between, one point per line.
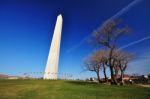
51	70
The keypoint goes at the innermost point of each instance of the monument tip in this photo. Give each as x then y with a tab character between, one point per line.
60	15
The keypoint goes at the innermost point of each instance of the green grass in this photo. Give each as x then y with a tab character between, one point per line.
47	89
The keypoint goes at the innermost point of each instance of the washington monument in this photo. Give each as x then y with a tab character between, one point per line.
51	69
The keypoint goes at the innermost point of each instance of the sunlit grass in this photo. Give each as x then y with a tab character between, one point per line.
51	89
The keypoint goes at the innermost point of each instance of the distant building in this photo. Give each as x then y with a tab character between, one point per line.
13	77
126	77
140	79
3	76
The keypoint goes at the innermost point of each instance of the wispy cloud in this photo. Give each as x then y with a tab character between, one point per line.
134	42
126	9
78	45
118	14
142	63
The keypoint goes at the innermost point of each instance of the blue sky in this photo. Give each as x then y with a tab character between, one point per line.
26	29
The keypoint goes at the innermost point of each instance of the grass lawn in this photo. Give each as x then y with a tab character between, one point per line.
50	89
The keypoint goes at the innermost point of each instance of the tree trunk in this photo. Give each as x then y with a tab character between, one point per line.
113	79
121	78
104	71
98	77
116	72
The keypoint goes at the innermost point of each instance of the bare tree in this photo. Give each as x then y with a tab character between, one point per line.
93	65
122	60
95	62
107	35
102	57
